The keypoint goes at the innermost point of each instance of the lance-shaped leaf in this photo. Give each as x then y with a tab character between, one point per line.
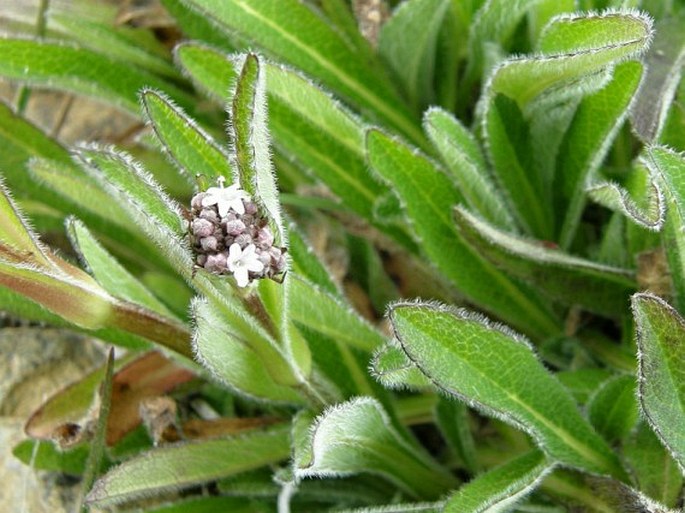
500	488
251	367
358	436
192	150
289	31
80	70
212	504
572	46
497	372
408	43
180	466
598	288
309	127
464	159
317	309
661	389
407	507
664	63
250	141
613	408
656	474
108	271
669	168
587	141
428	197
641	200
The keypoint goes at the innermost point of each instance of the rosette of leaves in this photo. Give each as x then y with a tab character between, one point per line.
515	165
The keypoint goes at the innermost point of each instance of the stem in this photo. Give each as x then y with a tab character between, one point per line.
166	332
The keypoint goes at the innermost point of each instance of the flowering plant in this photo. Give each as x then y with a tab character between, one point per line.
434	263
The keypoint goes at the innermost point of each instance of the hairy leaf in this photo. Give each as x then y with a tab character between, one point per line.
79	70
180	466
661	390
497	371
499	489
569	279
191	149
357	436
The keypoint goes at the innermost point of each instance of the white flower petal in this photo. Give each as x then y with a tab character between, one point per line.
241	277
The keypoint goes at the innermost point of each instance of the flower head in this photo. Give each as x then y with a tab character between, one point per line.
226	198
242	261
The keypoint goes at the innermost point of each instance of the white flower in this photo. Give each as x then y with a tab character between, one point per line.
240	261
226	198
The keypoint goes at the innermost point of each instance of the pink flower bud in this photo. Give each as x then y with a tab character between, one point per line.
202	227
209	243
235	227
216	262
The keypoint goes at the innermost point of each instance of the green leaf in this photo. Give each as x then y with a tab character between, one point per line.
509	144
572	280
250	141
499	489
357	436
196	26
408	43
45	456
212	71
107	271
190	148
573	47
641	200
119	42
317	309
669	169
414	507
180	466
592	131
664	62
289	31
661	391
15	231
248	366
79	70
394	370
466	163
119	173
656	474
428	198
497	371
613	408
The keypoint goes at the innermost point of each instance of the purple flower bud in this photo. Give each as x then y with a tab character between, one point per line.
210	215
265	238
250	207
202	227
243	240
201	259
235	227
209	243
264	258
196	202
216	262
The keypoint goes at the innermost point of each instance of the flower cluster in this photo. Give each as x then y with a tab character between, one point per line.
230	236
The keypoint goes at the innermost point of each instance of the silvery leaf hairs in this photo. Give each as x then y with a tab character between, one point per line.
230	236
